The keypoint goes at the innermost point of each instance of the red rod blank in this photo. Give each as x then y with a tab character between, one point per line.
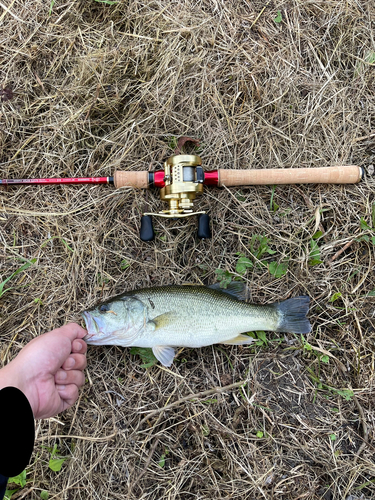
63	180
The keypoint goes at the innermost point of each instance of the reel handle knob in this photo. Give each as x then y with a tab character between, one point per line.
147	231
204	230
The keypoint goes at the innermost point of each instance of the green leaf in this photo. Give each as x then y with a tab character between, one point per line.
243	263
317	235
224	277
240	197
307	346
273	206
370	58
314	255
262	336
259	250
109	2
325	359
55	464
162	460
9	493
277	269
20	479
51	7
124	264
335	296
279	17
332	437
260	434
22	268
205	430
58	238
371	294
345	393
364	225
146	354
44	495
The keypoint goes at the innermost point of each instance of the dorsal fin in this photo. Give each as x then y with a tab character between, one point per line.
235	289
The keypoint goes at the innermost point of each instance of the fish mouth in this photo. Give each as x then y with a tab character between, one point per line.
91	327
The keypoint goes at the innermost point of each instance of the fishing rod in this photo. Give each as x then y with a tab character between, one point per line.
183	179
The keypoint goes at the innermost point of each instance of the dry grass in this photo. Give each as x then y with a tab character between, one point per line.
99	87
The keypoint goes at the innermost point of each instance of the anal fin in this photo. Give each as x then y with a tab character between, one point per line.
239	340
164	354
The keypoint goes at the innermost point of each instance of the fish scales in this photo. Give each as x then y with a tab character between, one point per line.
200	316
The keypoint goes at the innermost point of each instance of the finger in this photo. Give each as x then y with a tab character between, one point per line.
72	331
75	377
79	346
75	361
68	393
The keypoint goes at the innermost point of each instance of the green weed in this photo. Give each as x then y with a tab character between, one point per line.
243	264
370	236
146	355
51	6
314	254
54	463
124	265
224	277
58	238
20	480
279	17
277	269
335	296
163	457
347	394
259	247
172	142
108	2
273	206
205	430
22	268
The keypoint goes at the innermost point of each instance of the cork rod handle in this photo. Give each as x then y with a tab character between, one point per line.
348	174
131	179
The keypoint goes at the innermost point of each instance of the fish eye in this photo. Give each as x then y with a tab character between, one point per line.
104	308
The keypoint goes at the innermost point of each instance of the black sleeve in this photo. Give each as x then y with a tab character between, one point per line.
17	434
3	486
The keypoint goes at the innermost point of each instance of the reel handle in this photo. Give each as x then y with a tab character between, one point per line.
348	174
204	230
147	230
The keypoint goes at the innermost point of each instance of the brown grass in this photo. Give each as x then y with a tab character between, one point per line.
99	87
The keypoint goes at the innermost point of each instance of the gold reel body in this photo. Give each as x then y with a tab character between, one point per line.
183	178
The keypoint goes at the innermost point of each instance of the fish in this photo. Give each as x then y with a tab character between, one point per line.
167	317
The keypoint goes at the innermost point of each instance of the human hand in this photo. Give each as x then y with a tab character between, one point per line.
49	370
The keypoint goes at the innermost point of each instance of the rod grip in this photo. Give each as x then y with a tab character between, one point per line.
347	174
130	179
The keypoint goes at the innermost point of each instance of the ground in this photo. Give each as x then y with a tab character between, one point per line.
89	87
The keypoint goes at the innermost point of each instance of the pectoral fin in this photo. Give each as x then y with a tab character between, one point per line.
164	354
164	320
239	340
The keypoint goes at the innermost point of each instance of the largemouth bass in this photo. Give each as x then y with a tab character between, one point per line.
188	316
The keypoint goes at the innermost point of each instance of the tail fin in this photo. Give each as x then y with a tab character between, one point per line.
292	314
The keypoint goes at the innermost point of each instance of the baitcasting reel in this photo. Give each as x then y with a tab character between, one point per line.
183	181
